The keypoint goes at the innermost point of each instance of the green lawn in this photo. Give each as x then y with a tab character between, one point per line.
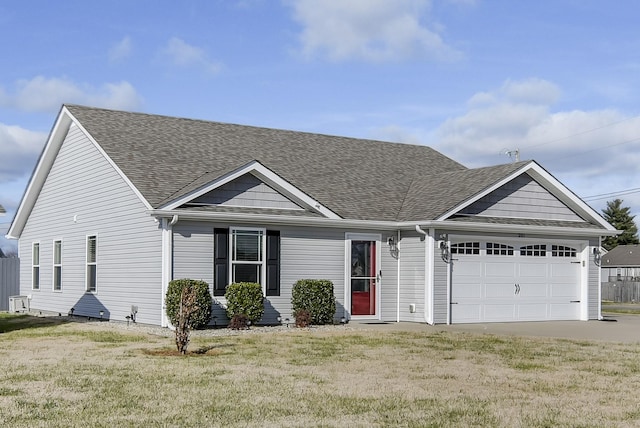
58	373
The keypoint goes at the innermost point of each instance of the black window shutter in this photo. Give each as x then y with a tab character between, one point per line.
220	261
273	263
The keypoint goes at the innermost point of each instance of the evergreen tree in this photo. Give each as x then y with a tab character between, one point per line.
621	219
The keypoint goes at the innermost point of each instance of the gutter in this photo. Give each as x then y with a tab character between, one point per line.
376	224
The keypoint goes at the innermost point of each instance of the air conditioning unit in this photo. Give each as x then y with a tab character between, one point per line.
18	304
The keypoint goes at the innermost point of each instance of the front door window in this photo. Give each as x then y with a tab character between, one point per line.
363	277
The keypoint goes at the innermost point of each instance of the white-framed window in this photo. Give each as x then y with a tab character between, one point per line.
563	251
92	268
534	250
35	266
247	249
466	248
496	249
57	265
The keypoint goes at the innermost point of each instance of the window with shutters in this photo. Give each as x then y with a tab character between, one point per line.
247	255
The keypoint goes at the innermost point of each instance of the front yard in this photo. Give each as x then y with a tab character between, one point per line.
58	373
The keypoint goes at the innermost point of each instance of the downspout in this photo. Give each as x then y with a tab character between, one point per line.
167	258
428	256
398	279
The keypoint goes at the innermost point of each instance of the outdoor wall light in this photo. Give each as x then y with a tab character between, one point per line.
597	256
393	246
128	317
445	252
286	320
71	312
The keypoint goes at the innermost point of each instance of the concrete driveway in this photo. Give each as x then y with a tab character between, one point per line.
615	328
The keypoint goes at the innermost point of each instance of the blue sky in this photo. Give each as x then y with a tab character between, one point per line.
557	79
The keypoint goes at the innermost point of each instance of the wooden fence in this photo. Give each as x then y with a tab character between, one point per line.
621	291
9	280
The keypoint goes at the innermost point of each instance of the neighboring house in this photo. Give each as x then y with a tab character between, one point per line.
622	263
120	203
620	274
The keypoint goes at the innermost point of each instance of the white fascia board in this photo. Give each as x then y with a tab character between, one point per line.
264	174
511	228
550	183
376	225
275	219
38	177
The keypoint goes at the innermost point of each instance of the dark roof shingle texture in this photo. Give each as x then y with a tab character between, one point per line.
167	157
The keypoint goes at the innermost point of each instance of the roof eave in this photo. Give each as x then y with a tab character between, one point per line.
376	224
40	173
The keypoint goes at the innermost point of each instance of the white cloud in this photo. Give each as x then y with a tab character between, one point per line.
592	152
183	54
19	149
372	30
47	94
120	50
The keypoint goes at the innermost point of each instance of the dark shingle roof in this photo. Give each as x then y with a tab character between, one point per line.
168	157
622	256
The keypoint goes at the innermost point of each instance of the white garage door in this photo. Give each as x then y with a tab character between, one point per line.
521	281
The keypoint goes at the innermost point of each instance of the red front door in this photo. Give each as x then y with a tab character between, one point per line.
363	277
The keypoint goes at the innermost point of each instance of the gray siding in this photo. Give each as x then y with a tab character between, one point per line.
246	191
305	253
522	198
9	280
412	279
84	195
389	282
441	272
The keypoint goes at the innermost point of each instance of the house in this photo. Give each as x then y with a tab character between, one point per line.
120	203
620	274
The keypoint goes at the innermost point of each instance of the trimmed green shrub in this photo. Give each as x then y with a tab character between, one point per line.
245	298
200	318
316	297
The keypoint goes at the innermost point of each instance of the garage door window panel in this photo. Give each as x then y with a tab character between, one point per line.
562	251
467	248
535	250
495	249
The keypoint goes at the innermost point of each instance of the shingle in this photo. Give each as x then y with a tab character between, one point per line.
622	256
166	157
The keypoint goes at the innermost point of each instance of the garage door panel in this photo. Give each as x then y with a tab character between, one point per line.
500	269
499	290
499	312
564	311
466	313
563	290
466	291
532	269
469	269
533	290
532	312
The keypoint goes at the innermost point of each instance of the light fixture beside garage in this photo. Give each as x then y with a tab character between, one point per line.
597	256
445	253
